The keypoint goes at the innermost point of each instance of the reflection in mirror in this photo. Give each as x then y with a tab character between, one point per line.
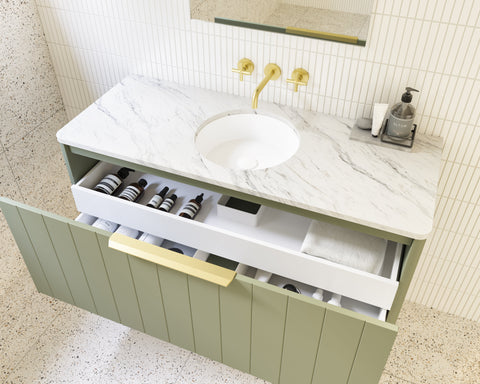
338	20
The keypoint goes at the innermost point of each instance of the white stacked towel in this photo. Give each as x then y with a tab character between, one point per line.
344	246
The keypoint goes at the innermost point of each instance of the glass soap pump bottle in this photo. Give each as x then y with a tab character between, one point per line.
400	120
133	191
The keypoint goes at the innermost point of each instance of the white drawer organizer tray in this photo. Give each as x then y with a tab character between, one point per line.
274	245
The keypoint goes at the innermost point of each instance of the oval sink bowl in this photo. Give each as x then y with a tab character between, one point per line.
247	141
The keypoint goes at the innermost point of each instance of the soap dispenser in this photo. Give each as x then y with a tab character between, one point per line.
400	120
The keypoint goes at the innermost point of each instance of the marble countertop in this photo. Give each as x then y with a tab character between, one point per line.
153	123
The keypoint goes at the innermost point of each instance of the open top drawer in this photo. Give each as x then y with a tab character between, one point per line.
273	245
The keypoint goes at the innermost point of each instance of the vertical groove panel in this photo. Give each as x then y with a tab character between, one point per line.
92	261
269	311
302	336
69	260
149	296
120	276
25	246
176	301
372	354
235	315
40	238
204	298
337	348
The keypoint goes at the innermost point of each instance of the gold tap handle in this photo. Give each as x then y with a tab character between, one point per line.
245	67
299	77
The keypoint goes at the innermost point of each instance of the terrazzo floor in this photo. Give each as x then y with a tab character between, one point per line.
43	340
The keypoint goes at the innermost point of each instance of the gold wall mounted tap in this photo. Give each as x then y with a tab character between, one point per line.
299	77
272	72
244	67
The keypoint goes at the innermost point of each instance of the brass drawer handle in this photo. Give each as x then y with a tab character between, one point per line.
173	260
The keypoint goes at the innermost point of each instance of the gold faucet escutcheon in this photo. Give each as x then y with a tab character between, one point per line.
244	67
272	72
299	77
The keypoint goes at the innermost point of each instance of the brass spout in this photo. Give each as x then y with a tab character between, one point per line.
272	72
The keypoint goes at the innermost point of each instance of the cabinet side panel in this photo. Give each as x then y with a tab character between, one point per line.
372	354
412	256
236	317
269	311
337	348
205	317
149	297
26	247
94	267
40	238
302	336
69	260
177	307
120	276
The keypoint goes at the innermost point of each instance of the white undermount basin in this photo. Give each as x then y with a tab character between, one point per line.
247	141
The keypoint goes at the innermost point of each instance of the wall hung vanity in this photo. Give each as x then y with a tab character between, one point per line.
197	300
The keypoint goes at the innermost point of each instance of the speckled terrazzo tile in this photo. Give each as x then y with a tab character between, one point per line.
24	316
435	347
79	347
201	370
332	21
30	92
285	15
141	358
389	379
40	171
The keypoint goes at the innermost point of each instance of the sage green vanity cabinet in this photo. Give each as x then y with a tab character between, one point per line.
270	332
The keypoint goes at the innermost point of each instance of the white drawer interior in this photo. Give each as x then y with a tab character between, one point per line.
278	281
273	245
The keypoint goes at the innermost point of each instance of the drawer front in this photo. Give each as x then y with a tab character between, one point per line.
278	239
271	333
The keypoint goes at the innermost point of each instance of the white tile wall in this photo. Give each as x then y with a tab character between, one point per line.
432	45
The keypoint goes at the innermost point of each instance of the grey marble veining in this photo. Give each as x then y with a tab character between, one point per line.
153	123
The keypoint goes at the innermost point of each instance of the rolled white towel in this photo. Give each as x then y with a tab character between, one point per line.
344	246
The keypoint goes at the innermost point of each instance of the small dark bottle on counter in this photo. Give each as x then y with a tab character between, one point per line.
193	206
133	191
168	203
156	200
110	183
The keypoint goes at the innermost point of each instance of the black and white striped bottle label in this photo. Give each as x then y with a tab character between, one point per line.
167	204
190	209
155	201
109	184
130	193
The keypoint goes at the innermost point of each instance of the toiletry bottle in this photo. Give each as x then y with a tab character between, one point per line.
111	182
148	238
133	191
168	203
105	225
127	231
400	119
156	200
193	206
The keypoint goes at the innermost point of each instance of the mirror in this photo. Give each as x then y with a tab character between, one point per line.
344	21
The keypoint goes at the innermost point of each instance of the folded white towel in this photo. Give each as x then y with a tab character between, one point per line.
344	246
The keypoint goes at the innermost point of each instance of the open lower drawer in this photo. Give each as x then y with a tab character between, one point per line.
277	335
273	245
